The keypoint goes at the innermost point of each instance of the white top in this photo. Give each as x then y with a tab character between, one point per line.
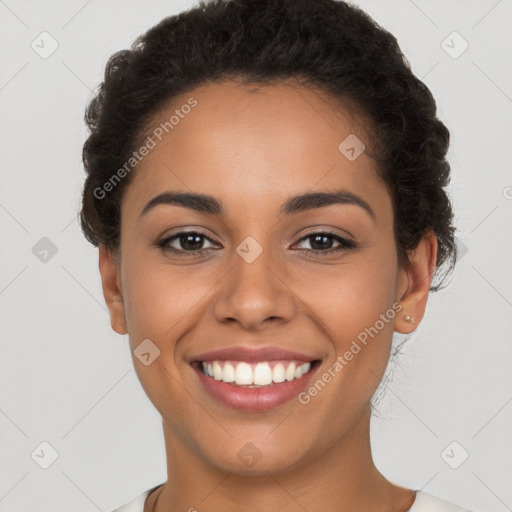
424	502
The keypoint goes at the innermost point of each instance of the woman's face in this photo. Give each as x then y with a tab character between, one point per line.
259	277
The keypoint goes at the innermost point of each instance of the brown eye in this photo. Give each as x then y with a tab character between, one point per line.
185	243
322	242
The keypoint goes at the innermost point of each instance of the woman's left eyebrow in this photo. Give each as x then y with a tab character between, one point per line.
205	203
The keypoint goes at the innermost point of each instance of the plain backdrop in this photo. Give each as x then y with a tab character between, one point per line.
67	380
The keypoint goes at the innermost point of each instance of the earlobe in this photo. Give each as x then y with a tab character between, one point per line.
110	282
414	284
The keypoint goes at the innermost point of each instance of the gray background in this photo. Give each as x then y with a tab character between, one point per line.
68	380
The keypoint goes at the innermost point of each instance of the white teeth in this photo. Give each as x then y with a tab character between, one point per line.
229	373
243	374
290	372
301	370
261	374
278	373
217	371
305	368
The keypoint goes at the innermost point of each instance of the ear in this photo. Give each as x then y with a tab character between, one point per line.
414	283
111	284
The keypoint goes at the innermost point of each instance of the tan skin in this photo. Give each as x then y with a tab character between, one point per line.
252	151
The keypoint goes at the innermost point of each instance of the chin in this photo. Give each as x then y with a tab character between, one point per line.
250	460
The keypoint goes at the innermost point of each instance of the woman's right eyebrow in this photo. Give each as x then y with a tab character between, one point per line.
205	203
200	202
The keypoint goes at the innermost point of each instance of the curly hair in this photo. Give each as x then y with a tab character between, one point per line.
328	44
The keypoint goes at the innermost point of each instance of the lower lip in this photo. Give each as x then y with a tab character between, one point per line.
254	399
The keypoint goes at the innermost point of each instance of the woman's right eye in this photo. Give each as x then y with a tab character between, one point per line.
188	242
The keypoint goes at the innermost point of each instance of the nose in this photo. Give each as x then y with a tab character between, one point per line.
255	294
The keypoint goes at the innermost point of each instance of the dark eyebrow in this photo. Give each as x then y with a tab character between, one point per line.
208	204
313	200
199	202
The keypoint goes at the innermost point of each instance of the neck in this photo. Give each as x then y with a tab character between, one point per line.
342	477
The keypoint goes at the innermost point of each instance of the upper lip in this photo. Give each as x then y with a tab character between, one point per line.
251	355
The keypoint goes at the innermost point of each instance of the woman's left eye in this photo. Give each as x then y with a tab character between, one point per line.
319	241
191	243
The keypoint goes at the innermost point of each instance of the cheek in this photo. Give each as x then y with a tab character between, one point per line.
159	298
355	306
352	295
156	301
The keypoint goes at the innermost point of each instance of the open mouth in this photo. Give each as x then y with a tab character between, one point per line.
261	374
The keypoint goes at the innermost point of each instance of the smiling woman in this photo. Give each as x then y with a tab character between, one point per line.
262	253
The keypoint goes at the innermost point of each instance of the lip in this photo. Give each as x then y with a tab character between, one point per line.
251	355
254	399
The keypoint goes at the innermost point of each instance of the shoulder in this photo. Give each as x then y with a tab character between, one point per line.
424	503
136	504
428	503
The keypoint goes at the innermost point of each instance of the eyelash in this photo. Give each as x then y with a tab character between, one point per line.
345	244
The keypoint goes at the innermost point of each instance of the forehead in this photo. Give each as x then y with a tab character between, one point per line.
269	141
